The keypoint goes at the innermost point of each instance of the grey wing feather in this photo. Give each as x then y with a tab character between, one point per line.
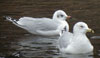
65	39
38	23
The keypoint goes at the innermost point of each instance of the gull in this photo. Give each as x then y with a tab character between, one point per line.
43	26
76	42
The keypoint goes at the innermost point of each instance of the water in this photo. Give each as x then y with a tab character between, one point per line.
37	47
15	41
31	46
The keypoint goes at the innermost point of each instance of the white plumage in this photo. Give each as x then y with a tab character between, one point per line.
76	42
43	26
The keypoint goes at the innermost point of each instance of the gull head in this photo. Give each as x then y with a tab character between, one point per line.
81	27
61	15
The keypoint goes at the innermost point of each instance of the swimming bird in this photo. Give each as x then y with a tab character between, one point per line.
76	42
43	26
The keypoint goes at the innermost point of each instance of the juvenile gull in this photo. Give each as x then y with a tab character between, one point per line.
43	26
76	42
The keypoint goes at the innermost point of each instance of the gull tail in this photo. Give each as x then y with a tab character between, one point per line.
8	18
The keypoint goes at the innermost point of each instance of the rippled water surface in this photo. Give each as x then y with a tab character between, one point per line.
15	41
37	47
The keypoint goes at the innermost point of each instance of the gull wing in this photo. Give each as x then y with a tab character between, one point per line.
38	23
65	39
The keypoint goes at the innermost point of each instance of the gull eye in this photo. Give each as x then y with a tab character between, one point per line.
61	15
82	26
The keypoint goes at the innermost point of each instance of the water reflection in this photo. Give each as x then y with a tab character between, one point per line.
36	46
95	37
77	56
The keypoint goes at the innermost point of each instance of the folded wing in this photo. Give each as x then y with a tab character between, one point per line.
65	39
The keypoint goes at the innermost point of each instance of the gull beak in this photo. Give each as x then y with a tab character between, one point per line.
90	30
69	17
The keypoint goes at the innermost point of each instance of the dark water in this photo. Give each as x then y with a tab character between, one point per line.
16	41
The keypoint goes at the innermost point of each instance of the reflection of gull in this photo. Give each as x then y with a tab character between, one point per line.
62	55
78	56
43	26
76	42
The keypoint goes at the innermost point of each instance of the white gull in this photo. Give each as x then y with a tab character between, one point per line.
76	42
43	26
